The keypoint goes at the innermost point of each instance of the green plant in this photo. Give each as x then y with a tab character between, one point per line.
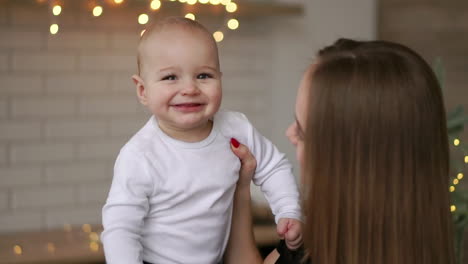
456	121
455	124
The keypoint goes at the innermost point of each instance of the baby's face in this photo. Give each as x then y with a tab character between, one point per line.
180	70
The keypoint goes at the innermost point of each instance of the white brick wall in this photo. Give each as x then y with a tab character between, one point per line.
76	172
20	84
4	61
76	128
37	197
20	176
41	152
44	61
42	107
20	221
19	130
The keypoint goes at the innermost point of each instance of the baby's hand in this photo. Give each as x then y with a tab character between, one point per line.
291	231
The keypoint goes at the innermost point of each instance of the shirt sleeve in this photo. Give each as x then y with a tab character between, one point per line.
274	176
125	208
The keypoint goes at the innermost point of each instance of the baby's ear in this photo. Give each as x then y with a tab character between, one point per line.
140	89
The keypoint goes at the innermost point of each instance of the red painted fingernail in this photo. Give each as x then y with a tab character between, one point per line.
234	142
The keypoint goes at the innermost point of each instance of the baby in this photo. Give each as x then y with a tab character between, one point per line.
172	191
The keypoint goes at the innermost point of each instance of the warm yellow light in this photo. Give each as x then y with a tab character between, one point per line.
215	2
203	1
218	36
56	10
142	32
453	208
231	7
97	11
183	1
155	4
54	28
18	250
51	247
225	2
460	176
191	2
233	23
452	188
86	228
456	142
143	19
118	1
466	159
67	227
190	16
455	181
93	236
94	246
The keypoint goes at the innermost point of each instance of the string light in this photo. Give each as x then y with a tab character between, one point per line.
455	181
452	188
231	7
118	1
18	250
460	176
97	11
143	19
93	236
56	10
86	228
190	16
94	246
453	208
191	2
203	1
155	4
225	2
233	24
54	28
182	1
466	159
142	32
218	36
51	247
215	2
456	142
67	228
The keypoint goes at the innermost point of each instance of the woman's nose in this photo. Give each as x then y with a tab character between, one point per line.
291	133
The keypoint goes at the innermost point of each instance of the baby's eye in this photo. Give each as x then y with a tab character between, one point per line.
204	76
170	77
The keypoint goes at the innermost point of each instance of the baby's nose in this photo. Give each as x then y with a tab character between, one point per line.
190	88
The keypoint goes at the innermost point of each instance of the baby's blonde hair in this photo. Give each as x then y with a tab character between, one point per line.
165	23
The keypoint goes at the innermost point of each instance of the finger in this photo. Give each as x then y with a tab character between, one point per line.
293	237
282	227
293	245
293	231
248	162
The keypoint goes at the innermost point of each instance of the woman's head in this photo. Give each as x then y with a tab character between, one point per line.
375	157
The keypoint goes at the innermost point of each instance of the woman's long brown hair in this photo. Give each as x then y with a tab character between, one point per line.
376	159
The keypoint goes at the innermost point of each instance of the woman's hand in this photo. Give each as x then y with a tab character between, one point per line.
241	247
248	163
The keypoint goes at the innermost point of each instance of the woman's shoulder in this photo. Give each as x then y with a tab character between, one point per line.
288	256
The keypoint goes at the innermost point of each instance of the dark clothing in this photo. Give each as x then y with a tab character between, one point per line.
288	256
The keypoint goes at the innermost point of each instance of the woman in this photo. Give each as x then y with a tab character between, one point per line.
371	140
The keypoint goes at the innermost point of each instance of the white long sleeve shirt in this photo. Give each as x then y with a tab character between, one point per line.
171	201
